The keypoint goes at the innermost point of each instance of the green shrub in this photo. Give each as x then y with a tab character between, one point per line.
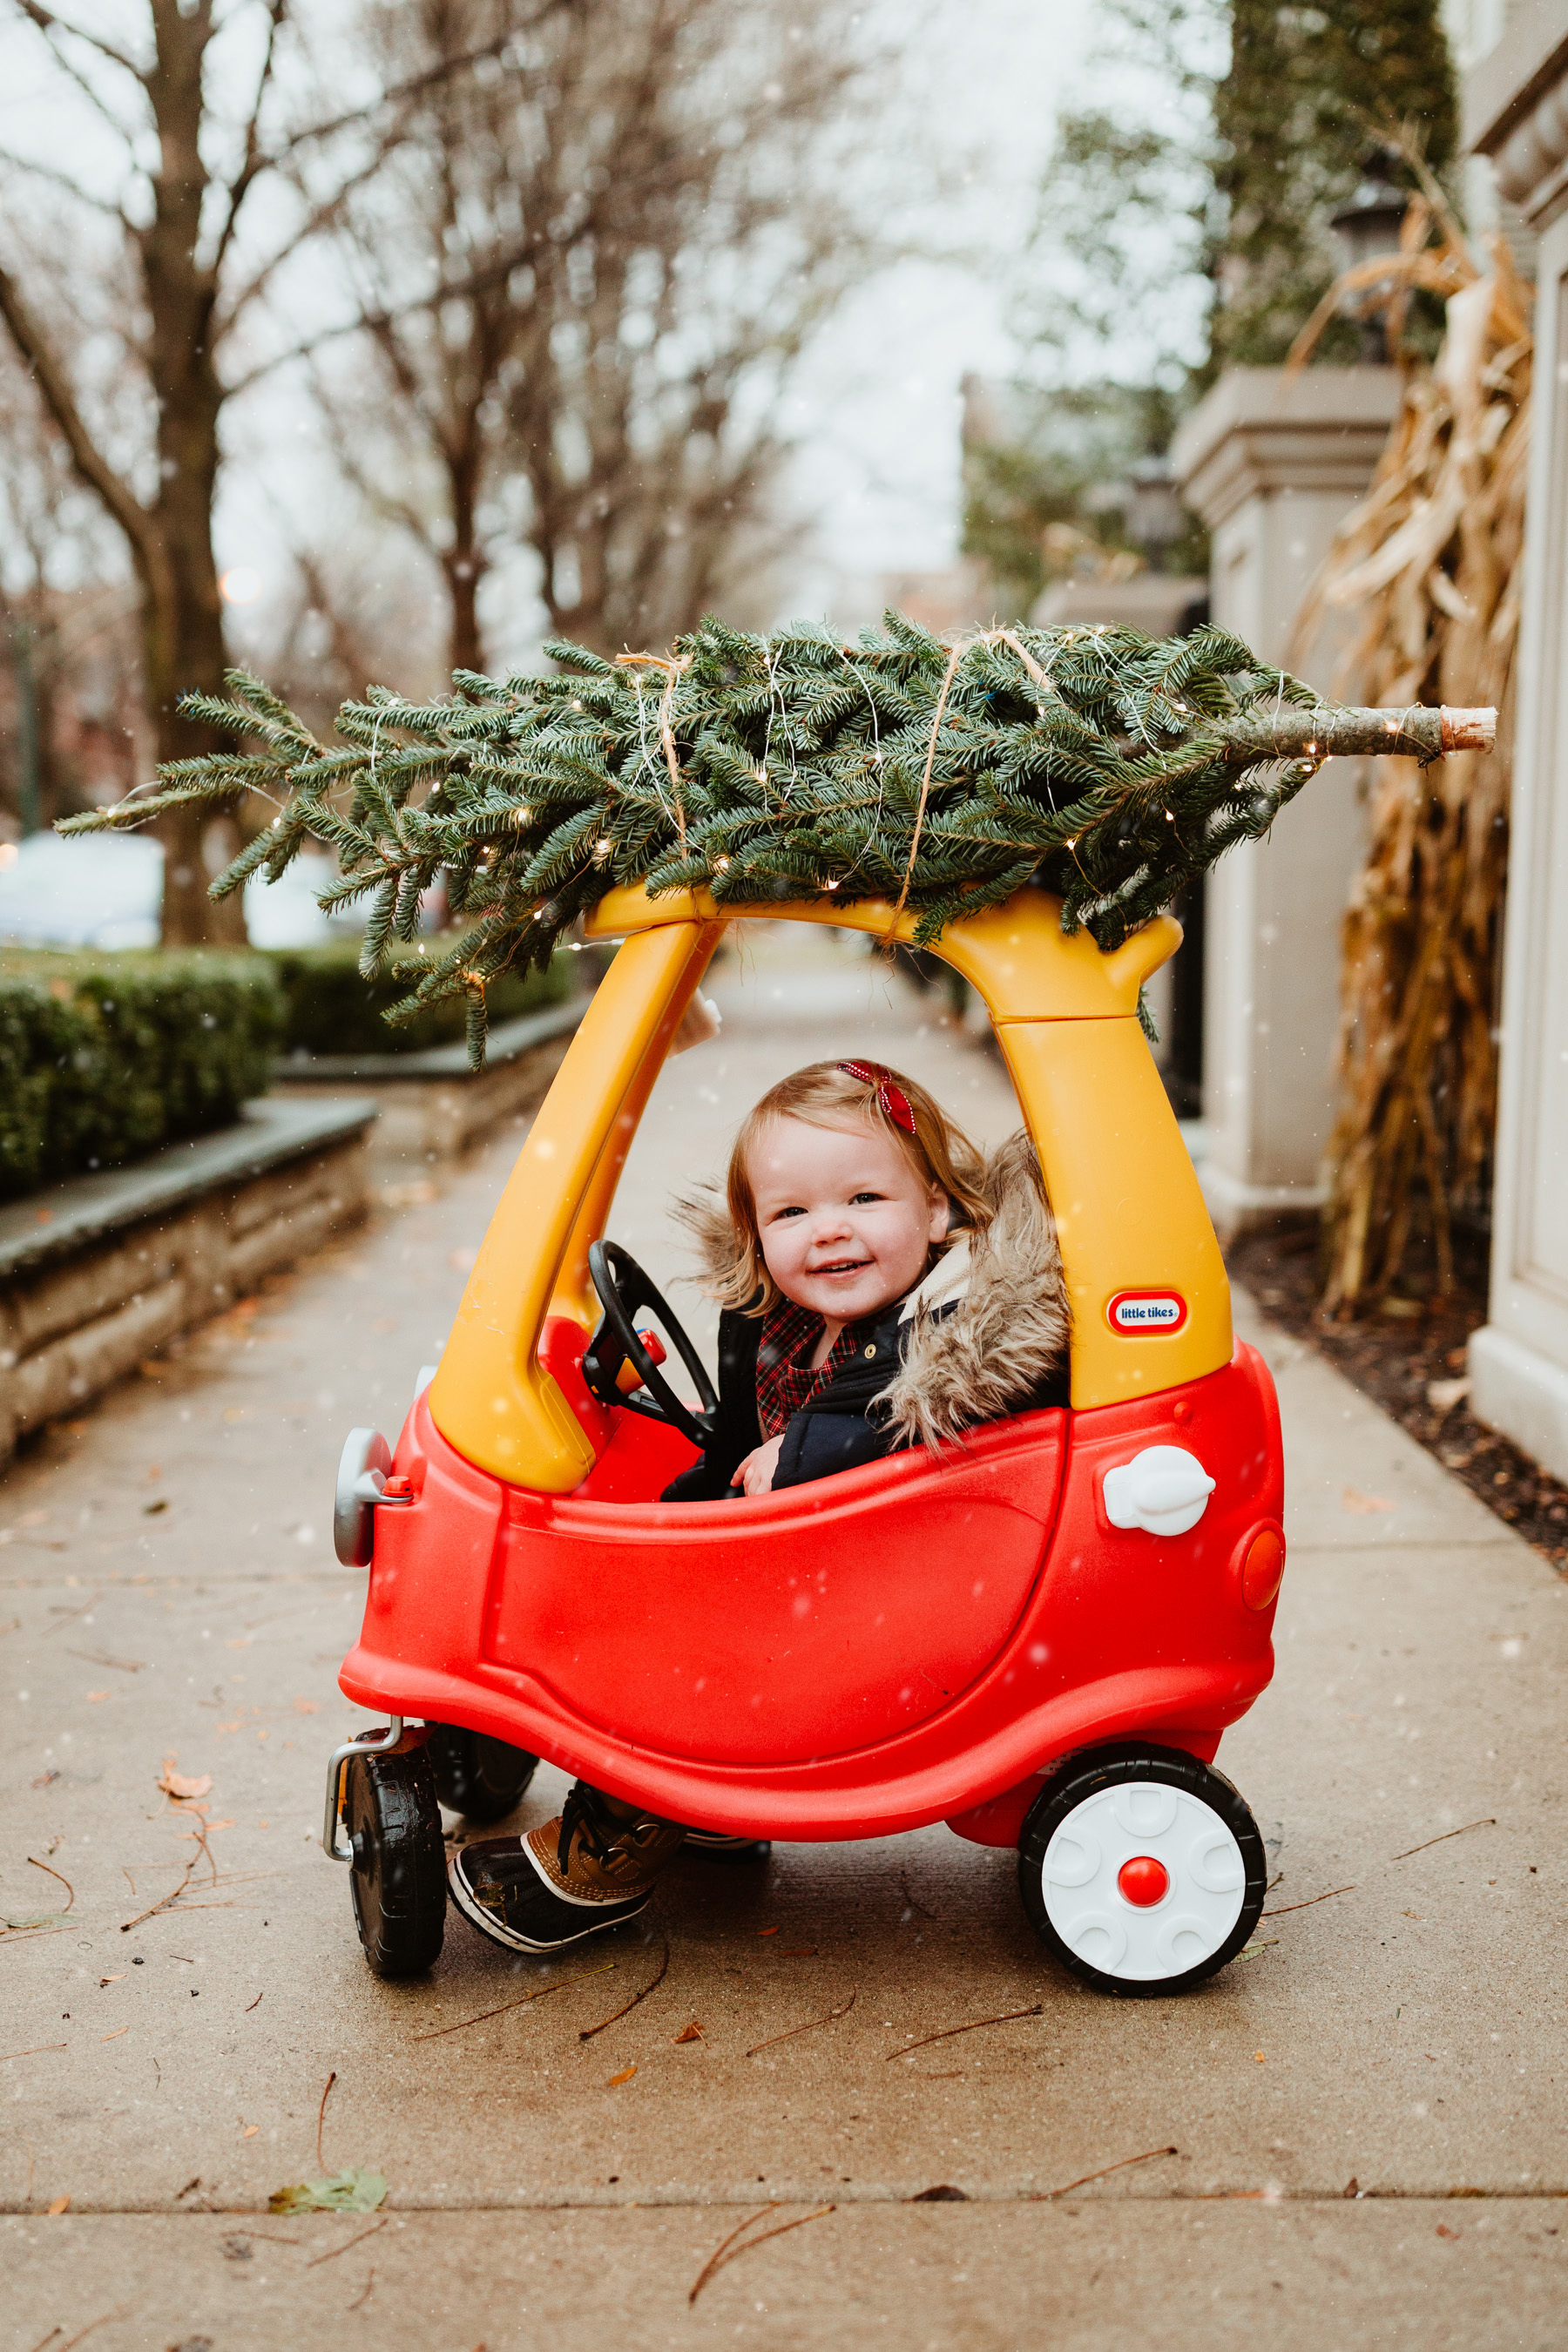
104	1056
329	1009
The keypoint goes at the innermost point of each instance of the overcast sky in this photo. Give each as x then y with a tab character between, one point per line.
878	408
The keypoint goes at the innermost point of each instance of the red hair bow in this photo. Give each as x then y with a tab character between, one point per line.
895	1103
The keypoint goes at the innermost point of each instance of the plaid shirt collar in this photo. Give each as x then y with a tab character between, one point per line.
785	1383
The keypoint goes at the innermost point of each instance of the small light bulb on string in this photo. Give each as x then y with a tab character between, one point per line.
722	865
833	886
762	775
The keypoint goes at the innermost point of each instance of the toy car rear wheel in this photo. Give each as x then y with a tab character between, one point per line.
399	1878
1142	1869
480	1777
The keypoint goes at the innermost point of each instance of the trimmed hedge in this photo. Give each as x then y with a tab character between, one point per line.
329	1009
105	1057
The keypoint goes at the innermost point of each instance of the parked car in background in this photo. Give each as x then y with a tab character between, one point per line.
106	890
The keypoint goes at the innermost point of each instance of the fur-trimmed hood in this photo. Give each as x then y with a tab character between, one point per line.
1007	1332
983	1329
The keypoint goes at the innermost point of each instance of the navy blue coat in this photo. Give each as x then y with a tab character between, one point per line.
838	1430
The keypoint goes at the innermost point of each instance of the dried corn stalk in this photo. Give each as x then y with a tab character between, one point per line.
1429	563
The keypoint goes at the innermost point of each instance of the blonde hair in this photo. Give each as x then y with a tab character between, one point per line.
826	1094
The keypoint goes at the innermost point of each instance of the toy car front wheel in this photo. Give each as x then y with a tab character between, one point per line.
1142	1869
480	1777
399	1880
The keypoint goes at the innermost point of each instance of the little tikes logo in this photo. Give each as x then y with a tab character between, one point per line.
1136	1313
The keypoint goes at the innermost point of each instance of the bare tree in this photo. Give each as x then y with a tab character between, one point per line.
622	235
175	271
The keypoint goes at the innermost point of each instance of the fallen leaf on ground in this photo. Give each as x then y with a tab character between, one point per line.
250	2131
767	1931
59	2205
115	2035
624	2076
98	1695
353	2191
692	2033
1353	1500
179	1786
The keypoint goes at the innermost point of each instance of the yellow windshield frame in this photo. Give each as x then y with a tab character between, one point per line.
1130	1214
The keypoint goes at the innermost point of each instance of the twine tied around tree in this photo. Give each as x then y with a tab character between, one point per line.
963	645
672	670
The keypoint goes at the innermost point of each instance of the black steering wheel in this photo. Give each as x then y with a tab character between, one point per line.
623	1287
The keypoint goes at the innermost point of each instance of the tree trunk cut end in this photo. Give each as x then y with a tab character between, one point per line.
1469	731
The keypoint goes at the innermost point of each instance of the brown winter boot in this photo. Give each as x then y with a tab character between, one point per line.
591	1868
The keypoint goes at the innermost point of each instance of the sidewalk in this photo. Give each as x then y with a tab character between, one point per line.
168	1566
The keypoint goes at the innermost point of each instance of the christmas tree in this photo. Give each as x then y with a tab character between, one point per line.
1111	768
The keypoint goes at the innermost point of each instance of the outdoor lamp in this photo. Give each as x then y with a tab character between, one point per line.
1155	519
1366	229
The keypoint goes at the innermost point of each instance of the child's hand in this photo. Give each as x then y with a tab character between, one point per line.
756	1472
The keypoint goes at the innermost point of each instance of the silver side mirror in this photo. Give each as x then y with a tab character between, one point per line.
362	1474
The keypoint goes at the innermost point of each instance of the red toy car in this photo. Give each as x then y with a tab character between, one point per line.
1038	1637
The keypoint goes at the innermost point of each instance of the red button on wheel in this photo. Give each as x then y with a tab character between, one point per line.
1142	1880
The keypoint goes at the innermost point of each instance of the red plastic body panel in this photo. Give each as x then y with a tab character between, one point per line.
910	1641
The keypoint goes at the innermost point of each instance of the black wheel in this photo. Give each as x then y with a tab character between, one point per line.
399	1877
1142	1869
475	1776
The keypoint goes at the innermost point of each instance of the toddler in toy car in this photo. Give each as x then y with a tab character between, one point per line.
883	1284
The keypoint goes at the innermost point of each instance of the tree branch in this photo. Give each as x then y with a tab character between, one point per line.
73	73
49	23
316	219
451	291
53	386
63	180
254	162
415	87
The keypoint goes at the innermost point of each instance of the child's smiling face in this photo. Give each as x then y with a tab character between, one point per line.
846	1224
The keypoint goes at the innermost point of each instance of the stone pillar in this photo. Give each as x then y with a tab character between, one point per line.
1517	112
1272	464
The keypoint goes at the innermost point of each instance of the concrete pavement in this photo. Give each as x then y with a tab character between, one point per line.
168	1567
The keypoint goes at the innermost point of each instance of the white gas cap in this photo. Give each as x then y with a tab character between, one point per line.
1164	1489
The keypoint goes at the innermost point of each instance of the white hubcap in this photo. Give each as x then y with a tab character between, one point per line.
1148	1824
